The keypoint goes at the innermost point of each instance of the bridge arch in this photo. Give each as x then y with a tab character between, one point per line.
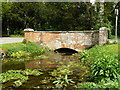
67	51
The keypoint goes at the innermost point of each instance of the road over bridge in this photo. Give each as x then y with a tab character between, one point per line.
76	40
5	40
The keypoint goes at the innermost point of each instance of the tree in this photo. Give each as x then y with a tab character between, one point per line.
6	10
60	16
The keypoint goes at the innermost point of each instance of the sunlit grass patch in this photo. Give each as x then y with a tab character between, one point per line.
11	45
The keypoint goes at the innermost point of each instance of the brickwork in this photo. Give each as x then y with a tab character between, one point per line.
77	40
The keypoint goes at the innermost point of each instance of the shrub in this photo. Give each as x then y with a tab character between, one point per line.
24	41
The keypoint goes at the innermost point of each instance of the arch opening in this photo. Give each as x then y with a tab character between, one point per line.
65	51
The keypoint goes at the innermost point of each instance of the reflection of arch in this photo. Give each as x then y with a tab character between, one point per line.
66	50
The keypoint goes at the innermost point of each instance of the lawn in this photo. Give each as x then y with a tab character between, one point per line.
11	45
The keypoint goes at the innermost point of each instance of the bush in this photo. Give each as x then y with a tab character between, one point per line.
24	41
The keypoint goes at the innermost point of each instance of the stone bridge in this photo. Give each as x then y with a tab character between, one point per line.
76	40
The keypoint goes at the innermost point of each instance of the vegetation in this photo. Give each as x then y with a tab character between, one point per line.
24	50
98	65
62	75
63	81
62	16
113	37
103	62
11	45
20	76
17	35
95	68
108	84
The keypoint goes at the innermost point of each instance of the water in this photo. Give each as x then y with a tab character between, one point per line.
46	66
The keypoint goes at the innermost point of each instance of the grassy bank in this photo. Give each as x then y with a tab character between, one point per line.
18	50
103	66
11	45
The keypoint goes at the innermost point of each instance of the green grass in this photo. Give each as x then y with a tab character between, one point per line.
113	37
16	35
108	49
108	84
10	45
18	50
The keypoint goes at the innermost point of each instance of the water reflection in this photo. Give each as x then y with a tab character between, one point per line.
44	64
66	51
51	63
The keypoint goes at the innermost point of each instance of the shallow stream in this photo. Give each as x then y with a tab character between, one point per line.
45	65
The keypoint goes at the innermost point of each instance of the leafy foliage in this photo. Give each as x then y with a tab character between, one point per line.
108	84
103	62
25	50
24	41
34	48
18	54
62	81
63	72
31	72
21	76
71	68
64	16
85	85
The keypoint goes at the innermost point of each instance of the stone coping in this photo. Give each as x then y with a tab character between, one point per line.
69	31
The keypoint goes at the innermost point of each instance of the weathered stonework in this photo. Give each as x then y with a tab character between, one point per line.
77	40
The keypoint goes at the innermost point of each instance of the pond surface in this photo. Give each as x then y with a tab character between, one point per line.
46	65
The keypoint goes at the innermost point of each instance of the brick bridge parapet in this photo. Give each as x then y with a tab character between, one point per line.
77	40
